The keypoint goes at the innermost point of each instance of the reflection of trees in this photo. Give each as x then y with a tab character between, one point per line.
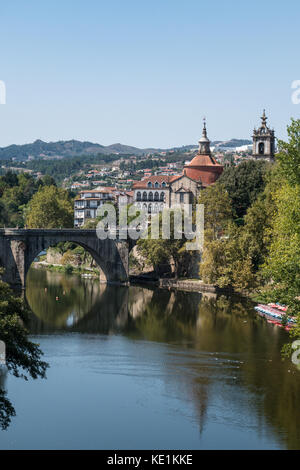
83	305
55	297
205	325
227	325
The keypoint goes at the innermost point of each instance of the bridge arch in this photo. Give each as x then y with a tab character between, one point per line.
19	248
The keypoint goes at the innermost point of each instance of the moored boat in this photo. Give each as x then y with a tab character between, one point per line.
277	312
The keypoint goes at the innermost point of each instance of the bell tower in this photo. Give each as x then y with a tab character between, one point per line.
263	141
204	142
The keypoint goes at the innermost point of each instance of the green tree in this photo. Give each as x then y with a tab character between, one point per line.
50	207
23	357
217	210
289	153
244	183
162	251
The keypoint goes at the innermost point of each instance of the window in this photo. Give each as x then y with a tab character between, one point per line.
138	196
261	148
163	184
79	214
162	196
144	196
181	197
156	196
149	184
93	203
156	184
150	196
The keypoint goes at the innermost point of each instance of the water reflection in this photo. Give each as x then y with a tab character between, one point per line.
220	356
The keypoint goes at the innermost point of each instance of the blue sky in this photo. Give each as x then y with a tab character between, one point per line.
145	72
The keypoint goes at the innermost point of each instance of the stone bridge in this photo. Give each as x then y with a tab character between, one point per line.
19	248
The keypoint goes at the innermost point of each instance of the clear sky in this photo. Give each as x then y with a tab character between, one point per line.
145	72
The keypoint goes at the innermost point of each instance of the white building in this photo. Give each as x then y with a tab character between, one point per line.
87	203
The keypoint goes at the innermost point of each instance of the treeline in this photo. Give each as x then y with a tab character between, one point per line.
25	200
252	227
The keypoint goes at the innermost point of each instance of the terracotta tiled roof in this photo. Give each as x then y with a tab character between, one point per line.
203	160
153	179
203	168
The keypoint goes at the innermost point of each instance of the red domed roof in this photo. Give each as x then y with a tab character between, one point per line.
203	160
203	168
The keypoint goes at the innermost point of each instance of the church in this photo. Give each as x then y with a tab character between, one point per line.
157	192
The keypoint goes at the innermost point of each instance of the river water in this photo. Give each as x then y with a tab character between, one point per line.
143	368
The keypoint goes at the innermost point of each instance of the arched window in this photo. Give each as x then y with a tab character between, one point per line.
156	207
150	196
149	208
163	184
149	184
162	196
156	184
144	196
156	196
138	196
261	148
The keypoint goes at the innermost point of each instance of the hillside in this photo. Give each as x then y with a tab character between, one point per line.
72	148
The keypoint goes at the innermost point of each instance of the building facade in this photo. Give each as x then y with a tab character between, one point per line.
87	203
151	194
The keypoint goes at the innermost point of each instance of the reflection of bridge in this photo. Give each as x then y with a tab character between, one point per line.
19	248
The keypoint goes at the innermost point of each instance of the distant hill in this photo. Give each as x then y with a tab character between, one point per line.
72	148
232	143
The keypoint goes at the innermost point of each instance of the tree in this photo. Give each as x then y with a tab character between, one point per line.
244	183
50	207
282	265
23	357
232	254
289	153
217	209
162	251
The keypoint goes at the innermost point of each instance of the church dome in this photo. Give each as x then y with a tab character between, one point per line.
204	168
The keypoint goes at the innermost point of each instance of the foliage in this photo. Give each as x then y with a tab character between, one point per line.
161	251
233	254
244	183
50	207
23	358
289	153
217	210
15	193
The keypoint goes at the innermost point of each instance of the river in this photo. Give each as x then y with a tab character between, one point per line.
145	368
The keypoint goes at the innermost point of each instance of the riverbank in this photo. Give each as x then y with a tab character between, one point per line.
67	269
